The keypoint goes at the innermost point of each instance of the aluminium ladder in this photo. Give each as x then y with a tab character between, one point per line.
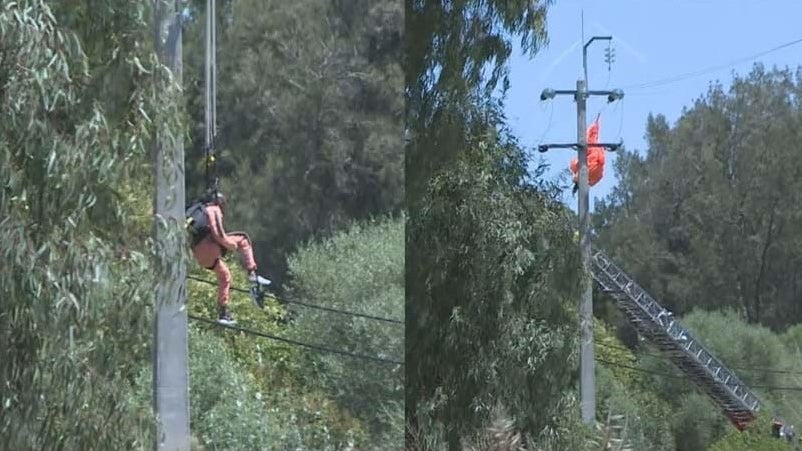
736	400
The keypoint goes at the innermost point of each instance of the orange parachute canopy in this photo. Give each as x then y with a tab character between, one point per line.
595	157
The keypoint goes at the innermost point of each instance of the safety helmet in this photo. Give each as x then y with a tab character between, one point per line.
216	197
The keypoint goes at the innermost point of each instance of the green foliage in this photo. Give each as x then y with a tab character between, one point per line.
488	283
626	392
758	357
309	116
754	353
231	410
754	438
76	295
301	415
455	59
228	410
697	423
84	97
740	345
792	338
699	217
698	220
490	262
362	270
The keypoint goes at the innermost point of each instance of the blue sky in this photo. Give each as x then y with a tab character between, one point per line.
653	40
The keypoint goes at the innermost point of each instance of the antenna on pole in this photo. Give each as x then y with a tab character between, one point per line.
584	55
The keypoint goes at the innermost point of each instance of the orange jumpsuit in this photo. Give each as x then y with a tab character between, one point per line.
209	251
595	158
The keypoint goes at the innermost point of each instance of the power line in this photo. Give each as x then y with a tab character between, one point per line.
640	370
660	373
704	71
312	306
548	125
296	343
741	368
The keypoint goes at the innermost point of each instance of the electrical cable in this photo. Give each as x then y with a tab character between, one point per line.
312	306
548	125
659	373
684	76
296	343
621	120
663	357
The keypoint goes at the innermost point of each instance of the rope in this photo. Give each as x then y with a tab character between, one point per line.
312	306
211	95
296	343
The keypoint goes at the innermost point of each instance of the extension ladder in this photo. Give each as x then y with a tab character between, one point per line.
737	402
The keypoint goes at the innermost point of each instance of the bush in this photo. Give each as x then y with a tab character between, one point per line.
756	437
294	413
361	270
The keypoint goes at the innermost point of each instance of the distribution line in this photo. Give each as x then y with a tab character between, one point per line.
660	373
296	343
699	72
312	306
742	368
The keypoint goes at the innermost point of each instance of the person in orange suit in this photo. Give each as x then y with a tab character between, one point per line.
211	242
595	159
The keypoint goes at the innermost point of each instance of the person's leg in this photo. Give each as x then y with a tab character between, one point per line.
223	288
245	248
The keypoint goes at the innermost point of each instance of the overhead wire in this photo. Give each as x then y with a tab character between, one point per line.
548	124
308	305
673	376
621	119
743	368
696	73
315	347
665	358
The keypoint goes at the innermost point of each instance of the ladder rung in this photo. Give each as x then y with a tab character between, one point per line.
644	313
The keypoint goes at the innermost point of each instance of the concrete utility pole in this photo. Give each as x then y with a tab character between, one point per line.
170	369
587	376
587	370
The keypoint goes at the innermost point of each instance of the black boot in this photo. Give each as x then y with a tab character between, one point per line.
225	317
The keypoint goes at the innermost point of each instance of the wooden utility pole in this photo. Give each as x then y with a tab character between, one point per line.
170	369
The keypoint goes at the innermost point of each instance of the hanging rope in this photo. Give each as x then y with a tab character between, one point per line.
211	95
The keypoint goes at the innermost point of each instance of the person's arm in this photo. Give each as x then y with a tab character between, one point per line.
216	226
